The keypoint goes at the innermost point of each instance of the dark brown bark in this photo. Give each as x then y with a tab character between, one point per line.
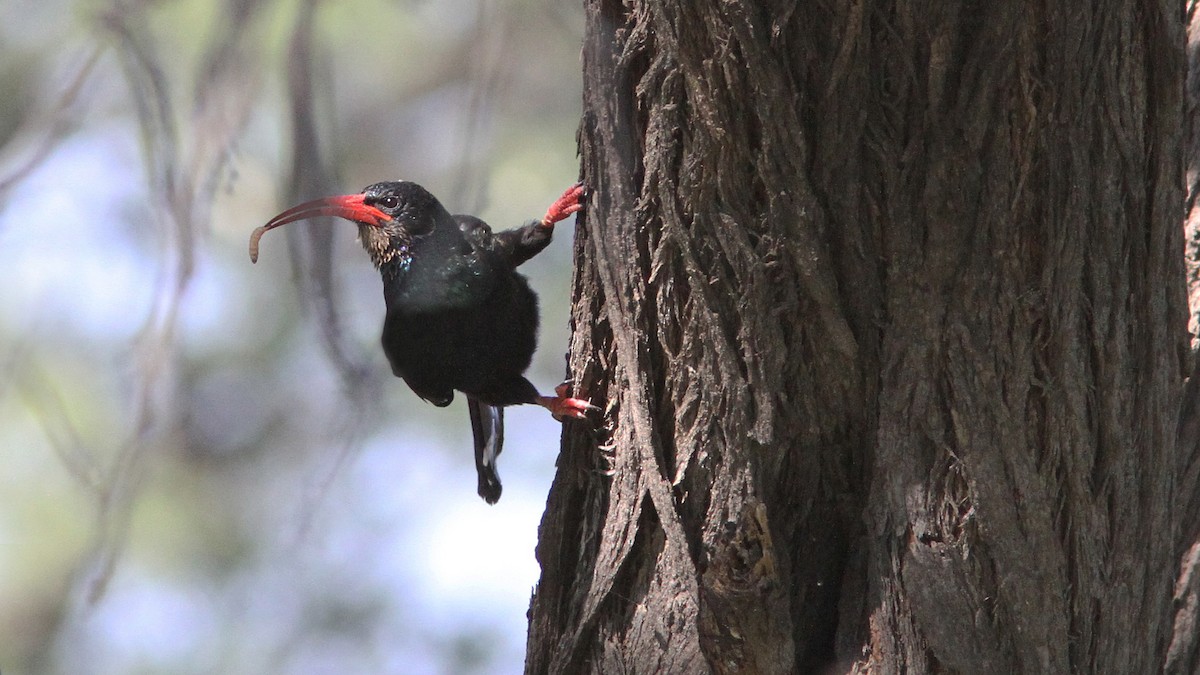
886	303
1183	656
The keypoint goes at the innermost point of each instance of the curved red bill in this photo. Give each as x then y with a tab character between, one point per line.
350	207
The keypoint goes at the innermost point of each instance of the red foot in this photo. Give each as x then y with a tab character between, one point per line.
563	406
564	206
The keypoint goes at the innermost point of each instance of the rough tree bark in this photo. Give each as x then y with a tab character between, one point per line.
1183	655
886	302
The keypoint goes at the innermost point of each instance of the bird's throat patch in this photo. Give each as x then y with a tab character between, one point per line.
386	246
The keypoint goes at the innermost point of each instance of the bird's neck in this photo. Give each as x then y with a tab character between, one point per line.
390	254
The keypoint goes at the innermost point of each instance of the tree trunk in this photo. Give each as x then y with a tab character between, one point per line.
886	304
1183	655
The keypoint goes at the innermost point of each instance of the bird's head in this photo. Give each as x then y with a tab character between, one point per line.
390	216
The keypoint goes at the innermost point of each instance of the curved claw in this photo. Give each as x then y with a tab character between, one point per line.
570	202
561	405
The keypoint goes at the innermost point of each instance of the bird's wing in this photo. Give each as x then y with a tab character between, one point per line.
454	268
477	233
487	426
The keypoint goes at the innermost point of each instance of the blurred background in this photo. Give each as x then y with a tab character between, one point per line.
207	465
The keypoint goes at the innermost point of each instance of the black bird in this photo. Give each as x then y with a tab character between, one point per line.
459	315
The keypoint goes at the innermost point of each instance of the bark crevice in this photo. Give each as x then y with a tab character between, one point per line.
890	336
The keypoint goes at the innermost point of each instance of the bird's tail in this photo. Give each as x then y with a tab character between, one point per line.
487	425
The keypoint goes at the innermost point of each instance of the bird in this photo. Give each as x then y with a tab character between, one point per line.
459	317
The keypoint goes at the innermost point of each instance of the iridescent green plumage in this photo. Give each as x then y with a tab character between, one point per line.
459	315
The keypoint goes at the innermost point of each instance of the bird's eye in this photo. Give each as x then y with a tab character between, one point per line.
388	202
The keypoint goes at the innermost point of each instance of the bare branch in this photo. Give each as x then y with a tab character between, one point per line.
54	126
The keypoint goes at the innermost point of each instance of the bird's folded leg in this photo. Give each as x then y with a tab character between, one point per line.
561	405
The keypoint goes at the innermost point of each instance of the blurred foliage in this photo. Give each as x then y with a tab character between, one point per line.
208	467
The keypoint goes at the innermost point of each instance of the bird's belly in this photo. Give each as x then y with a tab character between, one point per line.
455	350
